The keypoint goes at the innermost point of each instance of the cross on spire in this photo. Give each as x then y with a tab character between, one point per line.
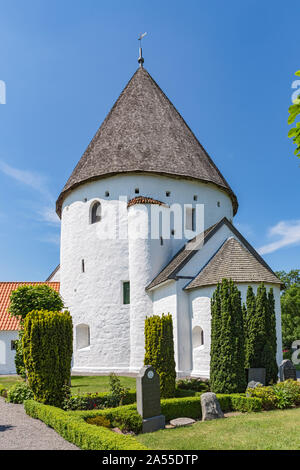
141	59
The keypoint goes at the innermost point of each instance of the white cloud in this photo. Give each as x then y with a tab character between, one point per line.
49	215
29	178
44	205
288	233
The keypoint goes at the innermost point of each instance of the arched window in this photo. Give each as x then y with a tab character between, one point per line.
198	337
82	336
96	212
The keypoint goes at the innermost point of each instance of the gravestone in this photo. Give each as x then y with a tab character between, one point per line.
211	408
148	399
287	370
257	374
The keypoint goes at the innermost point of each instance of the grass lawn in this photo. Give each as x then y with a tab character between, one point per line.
269	430
80	384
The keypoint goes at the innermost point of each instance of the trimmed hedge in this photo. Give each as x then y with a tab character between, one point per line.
72	427
159	351
126	417
91	401
47	349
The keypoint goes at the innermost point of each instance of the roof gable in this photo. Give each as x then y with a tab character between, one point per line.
233	261
177	263
145	133
8	323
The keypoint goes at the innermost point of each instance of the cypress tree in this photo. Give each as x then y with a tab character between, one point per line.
261	333
159	351
269	356
227	366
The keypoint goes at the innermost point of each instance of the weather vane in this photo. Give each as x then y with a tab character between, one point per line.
141	59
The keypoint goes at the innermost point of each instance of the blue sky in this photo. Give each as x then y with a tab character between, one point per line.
228	67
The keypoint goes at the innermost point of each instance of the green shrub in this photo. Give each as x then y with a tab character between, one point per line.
19	357
72	427
95	401
282	395
99	421
3	391
159	347
118	393
19	392
47	346
193	384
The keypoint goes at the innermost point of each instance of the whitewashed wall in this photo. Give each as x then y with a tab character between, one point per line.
95	296
7	356
201	316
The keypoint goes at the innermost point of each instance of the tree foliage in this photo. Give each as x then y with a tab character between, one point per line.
25	299
159	351
290	315
292	278
294	111
227	366
261	338
47	346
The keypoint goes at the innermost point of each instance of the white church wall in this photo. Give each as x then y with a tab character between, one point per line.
204	254
165	301
94	297
201	316
7	355
184	363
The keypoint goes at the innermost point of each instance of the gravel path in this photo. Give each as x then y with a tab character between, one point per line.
20	432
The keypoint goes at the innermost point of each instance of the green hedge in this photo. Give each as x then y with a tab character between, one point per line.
72	427
47	349
126	417
91	401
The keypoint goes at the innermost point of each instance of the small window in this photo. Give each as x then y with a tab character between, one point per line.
96	212
218	204
190	219
106	193
82	336
173	232
137	191
161	241
126	292
82	266
168	193
195	198
13	345
198	337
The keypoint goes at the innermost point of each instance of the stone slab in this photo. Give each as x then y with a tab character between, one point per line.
182	422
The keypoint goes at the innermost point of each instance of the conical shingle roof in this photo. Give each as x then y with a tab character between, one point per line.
145	133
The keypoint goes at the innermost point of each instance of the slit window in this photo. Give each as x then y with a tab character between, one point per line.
137	191
126	293
82	266
190	219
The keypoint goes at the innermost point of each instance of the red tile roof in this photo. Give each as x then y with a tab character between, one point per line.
8	323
